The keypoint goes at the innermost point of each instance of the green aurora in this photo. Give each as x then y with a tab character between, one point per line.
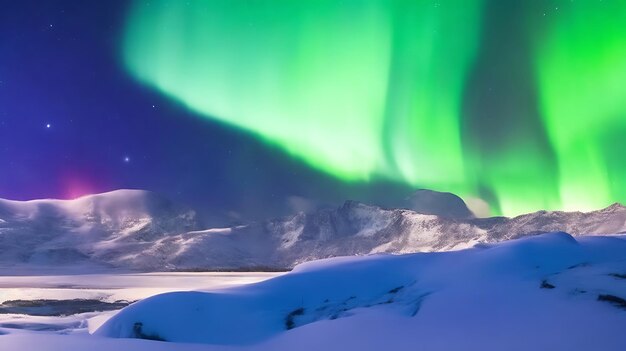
385	89
581	70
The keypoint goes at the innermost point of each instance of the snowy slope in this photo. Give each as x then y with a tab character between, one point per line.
548	292
106	229
359	229
133	229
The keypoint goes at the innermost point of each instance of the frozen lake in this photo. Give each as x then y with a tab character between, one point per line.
79	303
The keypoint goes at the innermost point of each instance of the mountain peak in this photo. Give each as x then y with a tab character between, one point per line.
438	203
614	207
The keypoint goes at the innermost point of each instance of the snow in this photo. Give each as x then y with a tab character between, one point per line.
534	293
487	298
134	230
101	287
109	287
549	291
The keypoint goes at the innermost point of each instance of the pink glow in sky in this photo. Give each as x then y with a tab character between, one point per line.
74	186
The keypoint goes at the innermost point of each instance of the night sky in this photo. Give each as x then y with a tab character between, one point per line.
60	67
248	109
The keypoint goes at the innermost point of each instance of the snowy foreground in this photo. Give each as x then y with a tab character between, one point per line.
549	292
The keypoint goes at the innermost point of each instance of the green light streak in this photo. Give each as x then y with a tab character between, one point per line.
375	89
433	50
581	66
283	70
359	89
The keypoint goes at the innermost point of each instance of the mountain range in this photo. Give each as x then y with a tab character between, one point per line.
140	230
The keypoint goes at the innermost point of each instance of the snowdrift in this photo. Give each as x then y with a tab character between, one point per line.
550	291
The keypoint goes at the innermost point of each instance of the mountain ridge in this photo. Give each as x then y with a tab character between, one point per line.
140	230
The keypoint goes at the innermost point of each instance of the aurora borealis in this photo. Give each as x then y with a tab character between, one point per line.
332	83
581	70
258	108
380	89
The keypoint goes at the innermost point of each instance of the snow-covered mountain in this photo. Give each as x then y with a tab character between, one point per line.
140	230
100	228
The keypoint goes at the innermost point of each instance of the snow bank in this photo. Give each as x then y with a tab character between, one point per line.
536	293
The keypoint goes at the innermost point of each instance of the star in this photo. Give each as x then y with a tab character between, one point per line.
126	159
48	125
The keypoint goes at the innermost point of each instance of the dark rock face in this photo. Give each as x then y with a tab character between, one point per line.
58	307
438	203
